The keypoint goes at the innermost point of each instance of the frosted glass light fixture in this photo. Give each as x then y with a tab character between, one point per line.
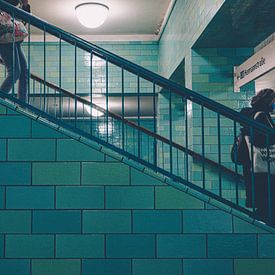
91	14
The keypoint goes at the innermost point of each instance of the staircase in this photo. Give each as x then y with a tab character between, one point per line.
132	197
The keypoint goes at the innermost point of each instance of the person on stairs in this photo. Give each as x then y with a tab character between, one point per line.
20	71
261	106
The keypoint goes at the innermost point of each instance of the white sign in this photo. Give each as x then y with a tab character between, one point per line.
257	65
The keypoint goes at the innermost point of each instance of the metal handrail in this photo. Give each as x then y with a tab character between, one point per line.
134	125
195	155
134	68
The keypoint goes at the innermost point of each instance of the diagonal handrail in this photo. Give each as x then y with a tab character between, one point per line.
190	152
193	154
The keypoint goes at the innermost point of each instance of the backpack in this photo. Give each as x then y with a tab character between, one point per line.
239	151
8	25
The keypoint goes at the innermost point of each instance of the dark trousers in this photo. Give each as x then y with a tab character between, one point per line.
17	69
261	194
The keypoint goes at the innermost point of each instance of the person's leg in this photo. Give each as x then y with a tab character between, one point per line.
261	196
248	186
6	52
23	79
273	198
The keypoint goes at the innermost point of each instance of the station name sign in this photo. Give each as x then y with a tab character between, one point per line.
257	65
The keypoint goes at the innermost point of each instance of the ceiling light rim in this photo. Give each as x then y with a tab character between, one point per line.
91	3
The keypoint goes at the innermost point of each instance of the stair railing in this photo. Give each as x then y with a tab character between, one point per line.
166	145
58	95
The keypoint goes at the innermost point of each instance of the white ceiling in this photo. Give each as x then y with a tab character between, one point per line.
125	18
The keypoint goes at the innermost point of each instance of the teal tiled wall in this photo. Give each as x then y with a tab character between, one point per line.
175	45
66	216
186	23
46	63
142	53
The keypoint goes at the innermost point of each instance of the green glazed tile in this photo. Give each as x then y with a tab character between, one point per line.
29	246
56	267
105	174
61	173
171	198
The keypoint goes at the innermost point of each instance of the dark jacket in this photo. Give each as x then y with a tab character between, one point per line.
260	179
263	118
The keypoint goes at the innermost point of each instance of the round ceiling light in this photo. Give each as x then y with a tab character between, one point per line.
91	14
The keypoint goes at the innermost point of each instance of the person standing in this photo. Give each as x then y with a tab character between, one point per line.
261	106
20	70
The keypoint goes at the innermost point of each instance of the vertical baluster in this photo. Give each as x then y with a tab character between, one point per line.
48	97
83	111
113	130
61	107
236	166
69	108
148	148
269	190
252	168
34	93
123	107
138	96
45	65
134	141
75	85
119	126
178	163
126	137
98	125
60	75
13	55
107	99
162	151
91	92
155	126
186	141
142	145
40	95
29	62
203	146
170	132
55	104
219	153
